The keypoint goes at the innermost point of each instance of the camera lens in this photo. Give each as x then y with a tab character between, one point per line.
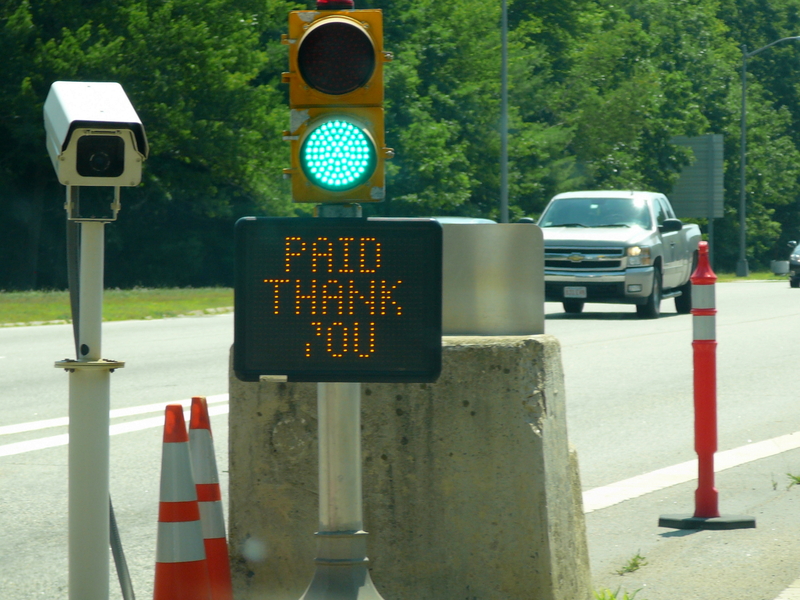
100	162
100	156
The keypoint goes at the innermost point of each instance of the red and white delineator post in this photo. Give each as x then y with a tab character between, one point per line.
704	346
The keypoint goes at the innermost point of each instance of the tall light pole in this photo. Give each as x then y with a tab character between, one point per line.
504	115
742	269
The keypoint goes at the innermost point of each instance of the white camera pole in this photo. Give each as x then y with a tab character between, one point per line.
89	393
94	139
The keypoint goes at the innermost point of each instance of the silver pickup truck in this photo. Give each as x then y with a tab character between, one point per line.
621	247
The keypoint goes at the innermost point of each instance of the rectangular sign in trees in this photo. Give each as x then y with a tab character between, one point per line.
345	299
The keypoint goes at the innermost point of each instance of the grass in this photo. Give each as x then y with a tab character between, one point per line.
793	480
118	305
607	594
754	276
636	562
146	303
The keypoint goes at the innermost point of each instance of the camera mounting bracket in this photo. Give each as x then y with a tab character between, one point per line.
73	206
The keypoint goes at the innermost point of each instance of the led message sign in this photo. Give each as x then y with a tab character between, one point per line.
338	299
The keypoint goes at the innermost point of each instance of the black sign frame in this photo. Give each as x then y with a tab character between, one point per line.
338	299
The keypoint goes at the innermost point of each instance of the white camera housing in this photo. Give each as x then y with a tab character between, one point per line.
94	136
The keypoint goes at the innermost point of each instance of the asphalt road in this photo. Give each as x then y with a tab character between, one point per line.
629	399
630	412
629	381
167	361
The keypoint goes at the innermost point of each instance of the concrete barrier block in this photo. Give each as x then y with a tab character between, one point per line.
470	489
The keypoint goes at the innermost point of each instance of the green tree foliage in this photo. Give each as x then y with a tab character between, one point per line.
192	71
773	137
597	89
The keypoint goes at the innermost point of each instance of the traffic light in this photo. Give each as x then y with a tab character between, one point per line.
336	99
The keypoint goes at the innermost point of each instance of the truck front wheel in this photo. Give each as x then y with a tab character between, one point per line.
652	308
683	303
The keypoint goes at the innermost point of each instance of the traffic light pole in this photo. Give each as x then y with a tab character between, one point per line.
338	150
341	571
504	116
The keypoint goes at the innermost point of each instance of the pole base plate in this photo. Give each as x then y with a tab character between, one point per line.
348	581
342	568
712	523
73	365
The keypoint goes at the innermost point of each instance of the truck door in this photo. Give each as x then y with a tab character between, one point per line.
671	244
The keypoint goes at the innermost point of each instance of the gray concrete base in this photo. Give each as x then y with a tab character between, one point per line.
470	489
718	523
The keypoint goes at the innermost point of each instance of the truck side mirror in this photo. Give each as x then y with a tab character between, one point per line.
670	225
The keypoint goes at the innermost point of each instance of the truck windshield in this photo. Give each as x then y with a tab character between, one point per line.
597	212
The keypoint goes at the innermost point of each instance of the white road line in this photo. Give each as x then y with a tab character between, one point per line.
791	593
609	495
34	426
627	489
594	499
31	445
114	414
63	439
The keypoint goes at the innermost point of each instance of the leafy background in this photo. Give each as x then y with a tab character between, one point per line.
597	89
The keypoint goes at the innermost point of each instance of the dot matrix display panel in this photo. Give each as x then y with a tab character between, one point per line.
338	299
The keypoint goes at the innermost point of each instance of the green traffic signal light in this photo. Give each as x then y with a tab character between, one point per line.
338	155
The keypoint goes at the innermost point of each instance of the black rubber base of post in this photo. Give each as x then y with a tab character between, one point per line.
692	522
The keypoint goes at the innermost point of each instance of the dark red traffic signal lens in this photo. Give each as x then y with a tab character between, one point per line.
336	57
335	4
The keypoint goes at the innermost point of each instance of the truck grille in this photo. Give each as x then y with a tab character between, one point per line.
581	259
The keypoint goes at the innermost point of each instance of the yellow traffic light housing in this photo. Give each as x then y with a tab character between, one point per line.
335	58
336	99
338	155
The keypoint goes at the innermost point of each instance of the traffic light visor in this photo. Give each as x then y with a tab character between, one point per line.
338	154
336	56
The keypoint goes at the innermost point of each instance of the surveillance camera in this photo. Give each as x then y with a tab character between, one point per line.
94	136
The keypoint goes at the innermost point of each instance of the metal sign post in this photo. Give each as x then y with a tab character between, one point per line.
341	563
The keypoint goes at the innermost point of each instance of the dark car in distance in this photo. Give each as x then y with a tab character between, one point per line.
794	265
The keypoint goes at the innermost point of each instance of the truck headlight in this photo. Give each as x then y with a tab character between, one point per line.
638	256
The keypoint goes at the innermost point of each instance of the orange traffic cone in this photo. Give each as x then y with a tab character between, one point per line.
209	495
181	570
